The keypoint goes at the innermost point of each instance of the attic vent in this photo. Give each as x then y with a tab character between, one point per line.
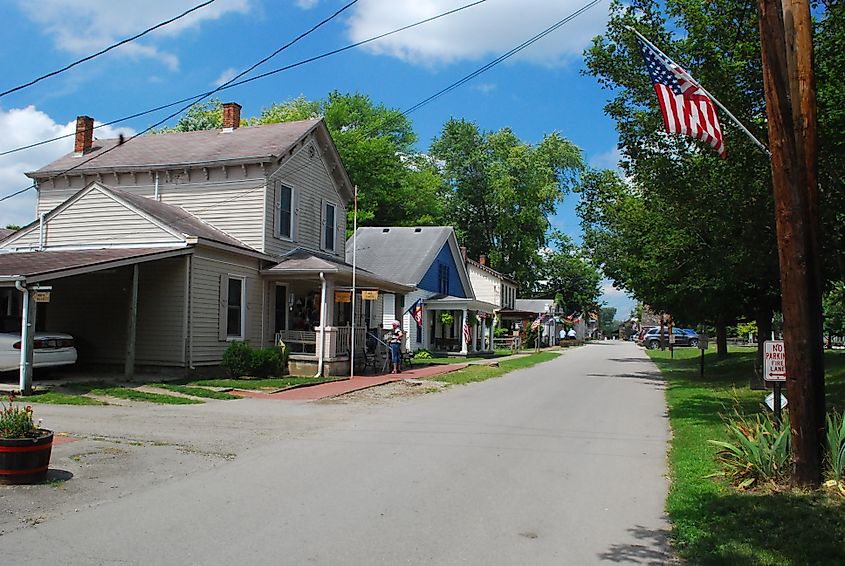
417	229
385	230
312	151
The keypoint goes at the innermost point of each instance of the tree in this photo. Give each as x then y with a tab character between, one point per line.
499	192
201	116
833	305
607	324
564	273
14	227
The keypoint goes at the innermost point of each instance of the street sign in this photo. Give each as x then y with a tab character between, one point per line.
774	361
41	296
703	342
770	401
343	296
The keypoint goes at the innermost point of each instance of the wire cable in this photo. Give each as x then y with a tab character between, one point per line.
239	75
257	77
107	49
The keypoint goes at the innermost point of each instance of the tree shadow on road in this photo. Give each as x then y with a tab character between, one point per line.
655	548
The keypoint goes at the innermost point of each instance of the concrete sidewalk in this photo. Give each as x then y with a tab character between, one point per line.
341	387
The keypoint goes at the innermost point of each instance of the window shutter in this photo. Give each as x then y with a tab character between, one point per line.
322	224
294	218
277	209
245	308
223	307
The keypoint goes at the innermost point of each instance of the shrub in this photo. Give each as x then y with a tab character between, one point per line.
756	451
267	362
836	446
422	355
237	359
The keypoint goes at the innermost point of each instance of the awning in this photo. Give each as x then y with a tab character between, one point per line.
449	302
54	264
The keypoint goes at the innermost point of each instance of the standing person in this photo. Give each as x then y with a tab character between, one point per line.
396	336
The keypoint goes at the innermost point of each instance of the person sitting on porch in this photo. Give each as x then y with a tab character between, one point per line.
395	341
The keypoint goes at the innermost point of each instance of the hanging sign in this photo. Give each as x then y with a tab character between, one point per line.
343	296
774	361
369	295
41	296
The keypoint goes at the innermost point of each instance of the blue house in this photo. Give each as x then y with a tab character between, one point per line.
428	258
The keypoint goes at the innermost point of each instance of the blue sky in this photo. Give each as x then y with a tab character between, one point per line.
536	92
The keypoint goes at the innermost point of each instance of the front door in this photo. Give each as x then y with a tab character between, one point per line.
281	308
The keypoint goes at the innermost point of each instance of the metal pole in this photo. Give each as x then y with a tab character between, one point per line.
354	270
702	363
26	339
777	404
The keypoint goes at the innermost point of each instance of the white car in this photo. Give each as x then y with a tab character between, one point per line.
51	349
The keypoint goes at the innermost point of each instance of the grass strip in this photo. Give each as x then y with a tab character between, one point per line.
475	373
712	522
270	383
59	398
98	388
194	391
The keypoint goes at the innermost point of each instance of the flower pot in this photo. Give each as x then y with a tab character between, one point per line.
25	460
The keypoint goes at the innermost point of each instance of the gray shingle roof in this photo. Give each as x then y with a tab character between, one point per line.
242	145
31	264
397	252
534	305
5	233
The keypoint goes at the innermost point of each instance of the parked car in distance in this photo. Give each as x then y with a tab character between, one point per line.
683	337
51	349
639	337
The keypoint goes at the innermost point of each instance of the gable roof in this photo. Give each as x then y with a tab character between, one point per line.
5	233
173	219
402	252
491	271
252	144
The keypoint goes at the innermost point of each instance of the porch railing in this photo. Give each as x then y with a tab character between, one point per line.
338	340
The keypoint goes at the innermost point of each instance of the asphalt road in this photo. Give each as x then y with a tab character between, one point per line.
563	463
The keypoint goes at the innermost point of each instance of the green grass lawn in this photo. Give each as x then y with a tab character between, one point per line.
99	388
59	398
712	522
482	372
194	391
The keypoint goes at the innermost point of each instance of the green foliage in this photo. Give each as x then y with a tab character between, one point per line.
756	450
240	359
16	421
195	391
14	227
201	116
422	354
836	446
833	305
472	318
745	328
566	273
500	191
292	110
446	318
499	332
607	323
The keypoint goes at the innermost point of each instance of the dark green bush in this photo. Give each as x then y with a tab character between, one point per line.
237	359
267	362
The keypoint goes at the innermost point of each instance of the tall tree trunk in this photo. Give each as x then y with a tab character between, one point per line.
721	340
764	332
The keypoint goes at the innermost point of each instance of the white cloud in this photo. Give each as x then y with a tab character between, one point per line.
491	28
607	160
86	26
307	4
484	88
617	298
23	126
226	76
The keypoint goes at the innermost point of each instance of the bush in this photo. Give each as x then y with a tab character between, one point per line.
422	355
756	451
237	359
240	360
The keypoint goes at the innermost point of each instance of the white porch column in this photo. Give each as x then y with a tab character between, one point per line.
425	342
491	332
474	334
464	345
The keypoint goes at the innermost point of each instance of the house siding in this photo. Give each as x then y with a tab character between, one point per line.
160	330
431	280
487	287
208	266
96	218
312	187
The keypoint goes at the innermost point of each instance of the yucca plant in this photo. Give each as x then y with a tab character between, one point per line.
836	446
756	451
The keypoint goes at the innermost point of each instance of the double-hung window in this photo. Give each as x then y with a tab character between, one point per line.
329	226
284	211
235	309
443	276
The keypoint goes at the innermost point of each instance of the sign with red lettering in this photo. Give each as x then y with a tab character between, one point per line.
774	361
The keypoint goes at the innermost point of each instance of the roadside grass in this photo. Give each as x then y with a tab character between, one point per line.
714	523
194	391
475	373
455	359
270	383
59	398
130	394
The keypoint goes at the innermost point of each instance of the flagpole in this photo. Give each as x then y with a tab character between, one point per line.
354	270
715	100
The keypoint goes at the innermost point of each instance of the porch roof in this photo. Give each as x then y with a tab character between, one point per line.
444	302
41	266
302	263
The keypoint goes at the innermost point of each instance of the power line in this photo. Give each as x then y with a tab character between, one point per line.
257	77
239	75
107	49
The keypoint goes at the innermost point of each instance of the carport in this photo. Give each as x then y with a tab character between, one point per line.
103	297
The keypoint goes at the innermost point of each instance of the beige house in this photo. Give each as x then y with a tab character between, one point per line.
162	250
490	285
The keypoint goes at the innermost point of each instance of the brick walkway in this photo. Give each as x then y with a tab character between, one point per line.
335	388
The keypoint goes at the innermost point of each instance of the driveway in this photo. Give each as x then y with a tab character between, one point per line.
562	463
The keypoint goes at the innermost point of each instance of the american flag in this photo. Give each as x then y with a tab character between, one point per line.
687	110
536	324
467	333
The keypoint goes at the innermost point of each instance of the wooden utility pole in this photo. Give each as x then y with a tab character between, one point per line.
787	52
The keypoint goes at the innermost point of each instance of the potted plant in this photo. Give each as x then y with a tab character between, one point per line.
24	447
446	320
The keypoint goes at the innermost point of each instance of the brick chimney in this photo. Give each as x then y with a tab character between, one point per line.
231	115
482	259
84	135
